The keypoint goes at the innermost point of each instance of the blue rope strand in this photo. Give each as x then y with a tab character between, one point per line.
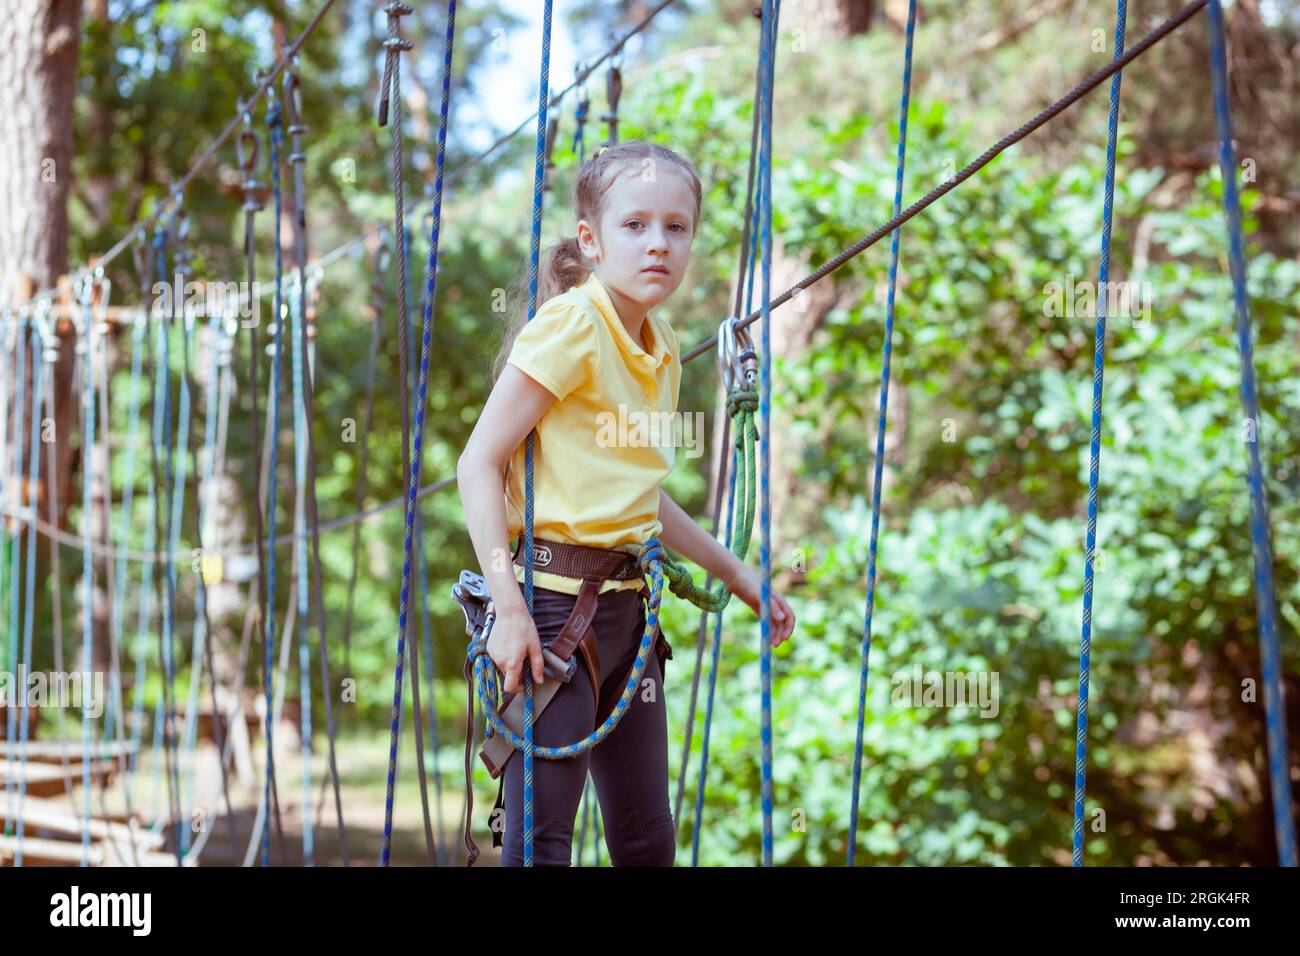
177	500
1270	652
277	138
535	247
33	476
128	497
881	425
713	679
771	11
15	543
87	565
417	447
1094	453
300	554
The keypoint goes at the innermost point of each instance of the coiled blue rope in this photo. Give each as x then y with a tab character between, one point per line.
1094	452
650	559
881	425
1279	772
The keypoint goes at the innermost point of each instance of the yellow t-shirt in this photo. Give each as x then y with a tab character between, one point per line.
604	446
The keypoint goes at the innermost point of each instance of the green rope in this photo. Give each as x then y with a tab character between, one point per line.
742	404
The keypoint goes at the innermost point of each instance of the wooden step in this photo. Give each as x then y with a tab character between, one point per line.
47	779
38	814
53	751
38	852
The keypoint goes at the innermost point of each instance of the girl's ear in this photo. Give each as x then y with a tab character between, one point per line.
587	241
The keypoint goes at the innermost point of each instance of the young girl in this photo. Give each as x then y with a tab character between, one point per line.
592	349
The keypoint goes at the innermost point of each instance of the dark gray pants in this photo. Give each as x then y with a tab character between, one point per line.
629	767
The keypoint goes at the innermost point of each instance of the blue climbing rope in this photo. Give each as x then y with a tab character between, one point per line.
128	496
15	544
426	622
534	257
417	446
273	121
33	476
713	678
881	425
296	300
87	565
771	13
1270	652
1094	453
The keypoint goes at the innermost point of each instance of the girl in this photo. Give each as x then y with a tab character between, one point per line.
593	350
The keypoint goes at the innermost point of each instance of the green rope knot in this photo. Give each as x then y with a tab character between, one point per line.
742	404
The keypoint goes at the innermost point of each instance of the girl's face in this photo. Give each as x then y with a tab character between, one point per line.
642	244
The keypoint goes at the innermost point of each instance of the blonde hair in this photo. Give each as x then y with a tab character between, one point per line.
564	266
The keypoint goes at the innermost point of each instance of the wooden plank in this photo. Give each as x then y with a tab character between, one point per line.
47	751
49	815
47	780
38	852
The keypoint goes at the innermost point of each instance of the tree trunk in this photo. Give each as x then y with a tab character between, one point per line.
38	72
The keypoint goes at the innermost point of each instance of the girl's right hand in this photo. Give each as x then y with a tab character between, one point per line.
513	641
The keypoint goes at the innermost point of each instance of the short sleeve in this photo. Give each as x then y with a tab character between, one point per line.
558	348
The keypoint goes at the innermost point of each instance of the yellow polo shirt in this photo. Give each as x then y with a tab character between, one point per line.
604	446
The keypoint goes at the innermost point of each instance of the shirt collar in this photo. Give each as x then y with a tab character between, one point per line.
635	356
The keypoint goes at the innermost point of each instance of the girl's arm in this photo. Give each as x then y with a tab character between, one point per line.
516	404
683	535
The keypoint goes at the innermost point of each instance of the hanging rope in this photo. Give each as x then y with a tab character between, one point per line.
881	425
13	475
411	455
772	12
1094	452
297	159
276	135
39	386
201	643
87	565
379	261
247	147
1270	652
534	257
426	626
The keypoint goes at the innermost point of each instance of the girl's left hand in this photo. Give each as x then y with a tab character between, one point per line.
746	586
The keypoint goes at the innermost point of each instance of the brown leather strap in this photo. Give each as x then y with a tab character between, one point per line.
591	654
575	628
470	846
579	560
